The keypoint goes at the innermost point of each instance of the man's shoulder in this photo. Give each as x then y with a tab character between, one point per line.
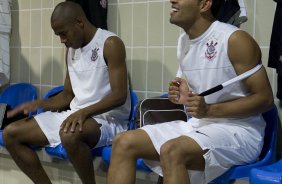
106	33
225	26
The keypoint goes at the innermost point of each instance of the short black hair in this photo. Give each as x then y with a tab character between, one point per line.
67	12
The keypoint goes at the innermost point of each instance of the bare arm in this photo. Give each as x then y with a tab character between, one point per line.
61	100
244	54
114	54
57	102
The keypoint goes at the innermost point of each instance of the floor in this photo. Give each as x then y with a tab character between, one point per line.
141	177
102	180
61	172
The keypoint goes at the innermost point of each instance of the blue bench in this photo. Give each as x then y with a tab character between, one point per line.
15	95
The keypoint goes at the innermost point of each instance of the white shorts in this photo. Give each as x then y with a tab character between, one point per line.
227	144
50	123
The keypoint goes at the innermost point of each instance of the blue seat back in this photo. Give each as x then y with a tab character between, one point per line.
269	174
270	138
267	155
134	101
50	93
17	94
107	150
54	91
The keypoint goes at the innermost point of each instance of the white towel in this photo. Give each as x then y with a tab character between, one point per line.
5	29
242	17
5	16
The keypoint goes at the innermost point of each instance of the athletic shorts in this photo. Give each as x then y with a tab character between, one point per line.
50	123
228	144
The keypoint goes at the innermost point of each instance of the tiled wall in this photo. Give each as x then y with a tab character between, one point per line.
150	40
38	57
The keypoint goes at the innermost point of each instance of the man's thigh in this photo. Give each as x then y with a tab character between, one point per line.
189	151
27	131
140	143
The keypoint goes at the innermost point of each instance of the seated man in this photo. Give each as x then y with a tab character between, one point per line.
226	127
96	90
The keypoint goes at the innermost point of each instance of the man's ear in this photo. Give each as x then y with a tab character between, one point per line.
206	5
79	22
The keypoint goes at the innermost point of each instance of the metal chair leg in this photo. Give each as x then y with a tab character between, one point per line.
160	180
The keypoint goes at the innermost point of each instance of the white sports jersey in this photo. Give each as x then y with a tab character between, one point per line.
229	141
207	65
89	77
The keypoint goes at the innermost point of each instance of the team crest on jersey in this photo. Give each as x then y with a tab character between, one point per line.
211	50
94	56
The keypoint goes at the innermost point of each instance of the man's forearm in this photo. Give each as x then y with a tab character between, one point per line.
60	101
243	107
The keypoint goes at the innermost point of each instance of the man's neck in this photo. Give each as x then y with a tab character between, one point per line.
89	33
199	27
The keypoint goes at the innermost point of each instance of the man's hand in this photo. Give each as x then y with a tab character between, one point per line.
25	108
196	106
178	91
75	119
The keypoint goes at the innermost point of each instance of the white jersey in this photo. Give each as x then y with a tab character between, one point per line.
89	77
207	61
229	141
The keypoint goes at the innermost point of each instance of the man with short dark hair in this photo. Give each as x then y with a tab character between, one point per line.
96	90
226	127
95	11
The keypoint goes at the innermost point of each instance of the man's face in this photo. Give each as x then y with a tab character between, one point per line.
184	12
70	33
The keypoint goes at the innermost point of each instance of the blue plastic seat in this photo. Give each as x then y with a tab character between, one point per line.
106	152
50	93
106	157
267	156
270	174
60	152
15	95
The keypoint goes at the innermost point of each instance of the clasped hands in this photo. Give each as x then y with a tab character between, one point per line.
179	93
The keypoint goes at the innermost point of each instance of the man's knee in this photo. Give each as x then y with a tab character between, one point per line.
170	151
9	133
173	151
123	141
183	150
68	138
